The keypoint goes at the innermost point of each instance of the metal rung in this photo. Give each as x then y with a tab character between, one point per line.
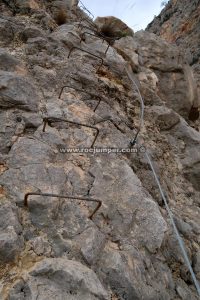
95	35
82	91
86	27
92	54
100	34
82	6
110	120
65	197
87	20
52	120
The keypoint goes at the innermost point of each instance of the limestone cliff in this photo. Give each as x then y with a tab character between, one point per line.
66	89
179	24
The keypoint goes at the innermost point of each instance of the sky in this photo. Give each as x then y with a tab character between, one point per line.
137	14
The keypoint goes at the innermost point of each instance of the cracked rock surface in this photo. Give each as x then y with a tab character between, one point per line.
63	248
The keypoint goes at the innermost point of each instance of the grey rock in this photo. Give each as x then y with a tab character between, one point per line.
184	292
36	45
31	32
150	96
8	62
68	35
41	246
164	118
74	220
133	211
34	177
127	48
17	91
10	129
32	120
61	279
92	242
19	291
65	5
196	263
124	271
167	62
25	6
184	228
119	275
164	56
186	141
10	244
6	33
172	251
34	152
8	216
179	16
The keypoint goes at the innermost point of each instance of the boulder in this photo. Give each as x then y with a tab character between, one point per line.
113	27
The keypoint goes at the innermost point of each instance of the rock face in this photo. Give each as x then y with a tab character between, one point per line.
62	92
178	23
176	84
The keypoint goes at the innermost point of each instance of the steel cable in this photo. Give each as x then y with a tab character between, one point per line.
133	142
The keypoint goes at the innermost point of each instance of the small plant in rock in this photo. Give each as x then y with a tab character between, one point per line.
108	30
61	17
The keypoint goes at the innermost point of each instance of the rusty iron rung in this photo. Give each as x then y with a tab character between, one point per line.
86	27
66	197
85	19
110	120
99	33
83	91
92	54
82	6
107	38
49	120
96	35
